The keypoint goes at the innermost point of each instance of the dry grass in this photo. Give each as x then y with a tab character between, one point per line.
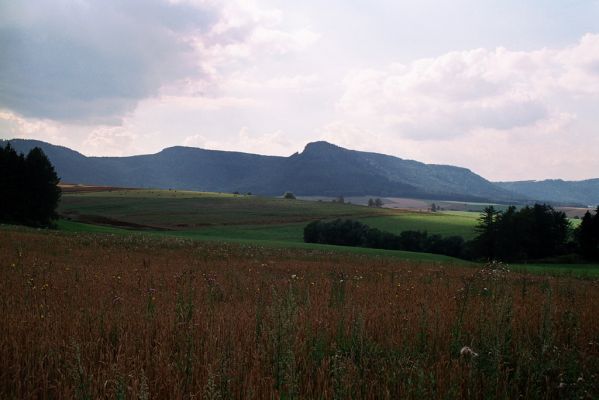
92	316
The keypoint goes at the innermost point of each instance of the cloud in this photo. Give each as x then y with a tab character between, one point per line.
13	125
113	140
94	61
459	93
505	114
245	141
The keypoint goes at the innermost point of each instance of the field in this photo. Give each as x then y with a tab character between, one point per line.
256	220
165	209
162	294
243	217
106	316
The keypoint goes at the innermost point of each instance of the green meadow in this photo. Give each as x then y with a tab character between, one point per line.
264	221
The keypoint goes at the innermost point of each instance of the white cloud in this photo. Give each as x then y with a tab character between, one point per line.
13	125
462	92
494	111
245	141
114	140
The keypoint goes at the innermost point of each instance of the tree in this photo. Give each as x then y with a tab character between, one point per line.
370	202
535	233
486	228
29	187
433	207
378	203
12	167
42	191
588	235
289	196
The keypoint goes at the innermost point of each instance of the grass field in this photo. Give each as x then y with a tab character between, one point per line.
460	223
185	210
252	220
268	240
88	315
184	295
244	217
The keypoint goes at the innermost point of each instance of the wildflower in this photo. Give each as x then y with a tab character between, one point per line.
468	352
294	276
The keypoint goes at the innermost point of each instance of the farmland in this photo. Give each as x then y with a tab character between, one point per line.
254	220
226	216
124	302
164	209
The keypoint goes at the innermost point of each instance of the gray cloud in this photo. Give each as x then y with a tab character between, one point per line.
93	61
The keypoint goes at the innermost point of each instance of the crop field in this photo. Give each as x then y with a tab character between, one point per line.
135	316
243	217
253	220
164	209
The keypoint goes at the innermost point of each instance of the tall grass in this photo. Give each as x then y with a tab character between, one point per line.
95	316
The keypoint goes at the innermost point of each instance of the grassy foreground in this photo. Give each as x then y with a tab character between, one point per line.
134	316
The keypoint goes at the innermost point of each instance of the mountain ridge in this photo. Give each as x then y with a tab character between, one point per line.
321	168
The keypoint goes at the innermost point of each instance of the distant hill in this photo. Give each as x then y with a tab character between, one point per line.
321	169
585	193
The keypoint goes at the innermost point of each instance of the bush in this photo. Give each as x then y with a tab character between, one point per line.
289	195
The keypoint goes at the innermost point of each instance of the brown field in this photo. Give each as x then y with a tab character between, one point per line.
79	188
96	316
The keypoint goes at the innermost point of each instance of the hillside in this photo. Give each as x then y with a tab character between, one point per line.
585	193
321	169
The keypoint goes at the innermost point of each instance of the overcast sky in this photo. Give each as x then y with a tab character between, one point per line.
509	89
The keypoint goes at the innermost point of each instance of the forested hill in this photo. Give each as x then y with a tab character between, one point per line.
320	169
584	192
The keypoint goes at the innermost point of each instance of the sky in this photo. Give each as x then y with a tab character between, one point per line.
508	89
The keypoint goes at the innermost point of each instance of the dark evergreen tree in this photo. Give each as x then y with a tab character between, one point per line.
530	233
588	236
12	177
28	187
486	241
42	193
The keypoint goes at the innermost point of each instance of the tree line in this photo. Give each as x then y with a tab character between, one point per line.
29	192
346	232
530	233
